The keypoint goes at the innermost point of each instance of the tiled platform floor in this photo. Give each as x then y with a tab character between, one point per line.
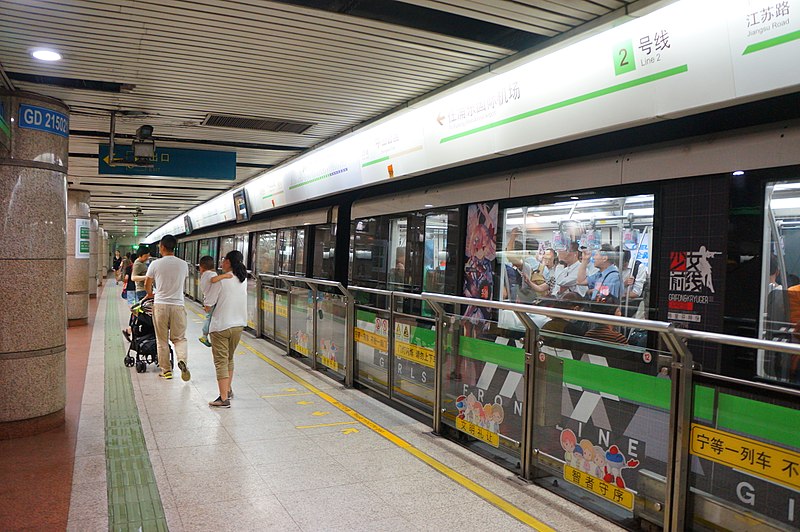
251	468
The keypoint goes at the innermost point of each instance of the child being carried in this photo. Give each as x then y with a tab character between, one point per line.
208	275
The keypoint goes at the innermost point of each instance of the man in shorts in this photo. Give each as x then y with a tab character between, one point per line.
169	315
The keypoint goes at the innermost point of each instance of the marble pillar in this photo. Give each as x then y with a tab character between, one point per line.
33	195
102	259
78	225
94	230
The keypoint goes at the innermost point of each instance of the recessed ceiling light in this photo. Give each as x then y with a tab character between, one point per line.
739	172
43	54
429	205
574	197
121	207
123	220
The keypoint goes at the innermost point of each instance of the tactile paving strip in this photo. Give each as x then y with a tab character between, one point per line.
133	500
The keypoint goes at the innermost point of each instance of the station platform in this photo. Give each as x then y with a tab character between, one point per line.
296	451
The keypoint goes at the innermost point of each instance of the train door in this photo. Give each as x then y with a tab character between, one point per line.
780	293
190	256
266	248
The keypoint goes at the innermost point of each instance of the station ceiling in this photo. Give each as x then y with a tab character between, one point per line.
310	69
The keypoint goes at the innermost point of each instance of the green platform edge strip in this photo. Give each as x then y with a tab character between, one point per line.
572	101
133	499
769	43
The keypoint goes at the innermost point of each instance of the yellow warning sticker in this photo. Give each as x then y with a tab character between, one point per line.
371	339
476	431
760	459
329	362
303	350
282	311
615	494
414	353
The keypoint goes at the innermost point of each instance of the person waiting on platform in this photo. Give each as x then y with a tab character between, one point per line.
607	281
229	299
168	274
208	275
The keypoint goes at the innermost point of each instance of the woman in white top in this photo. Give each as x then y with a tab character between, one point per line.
227	323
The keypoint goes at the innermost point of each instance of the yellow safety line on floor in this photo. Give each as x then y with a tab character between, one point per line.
285	394
327	425
454	475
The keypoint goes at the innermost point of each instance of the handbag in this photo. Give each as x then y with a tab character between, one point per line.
125	293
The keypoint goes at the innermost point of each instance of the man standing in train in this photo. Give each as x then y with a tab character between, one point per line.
566	276
169	315
605	282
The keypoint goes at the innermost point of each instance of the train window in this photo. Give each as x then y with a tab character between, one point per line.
324	251
266	246
441	250
369	245
300	252
398	238
208	246
589	248
226	244
780	294
286	251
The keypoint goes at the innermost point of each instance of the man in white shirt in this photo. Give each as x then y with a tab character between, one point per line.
566	276
169	315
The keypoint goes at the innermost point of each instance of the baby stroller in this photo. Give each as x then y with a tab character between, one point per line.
143	337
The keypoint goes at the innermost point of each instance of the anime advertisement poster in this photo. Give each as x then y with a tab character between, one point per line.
480	254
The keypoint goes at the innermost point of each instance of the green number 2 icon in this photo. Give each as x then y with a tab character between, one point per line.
623	58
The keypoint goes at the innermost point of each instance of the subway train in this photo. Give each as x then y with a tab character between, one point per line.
703	233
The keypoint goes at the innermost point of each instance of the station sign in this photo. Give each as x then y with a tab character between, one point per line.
82	239
172	162
43	119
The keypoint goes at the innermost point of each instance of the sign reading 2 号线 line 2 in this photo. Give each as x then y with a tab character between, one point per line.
42	119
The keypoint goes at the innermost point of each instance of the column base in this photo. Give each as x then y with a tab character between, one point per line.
77	322
92	296
23	428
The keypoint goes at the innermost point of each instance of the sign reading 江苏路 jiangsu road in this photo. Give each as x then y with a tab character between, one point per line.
171	162
43	119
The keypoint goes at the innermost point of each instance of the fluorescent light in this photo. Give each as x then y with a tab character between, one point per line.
43	54
121	207
739	172
123	220
574	198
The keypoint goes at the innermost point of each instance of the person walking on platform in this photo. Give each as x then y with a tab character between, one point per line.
229	299
169	315
116	264
139	271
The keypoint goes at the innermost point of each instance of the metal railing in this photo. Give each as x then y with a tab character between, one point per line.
682	373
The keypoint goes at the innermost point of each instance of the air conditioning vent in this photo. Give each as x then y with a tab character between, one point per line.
255	123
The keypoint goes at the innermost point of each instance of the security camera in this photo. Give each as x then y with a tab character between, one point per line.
144	147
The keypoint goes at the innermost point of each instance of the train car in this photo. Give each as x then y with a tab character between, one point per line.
701	234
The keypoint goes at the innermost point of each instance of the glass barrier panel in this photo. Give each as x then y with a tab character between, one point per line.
745	449
414	361
302	310
601	419
267	307
281	316
252	303
483	391
371	345
332	333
